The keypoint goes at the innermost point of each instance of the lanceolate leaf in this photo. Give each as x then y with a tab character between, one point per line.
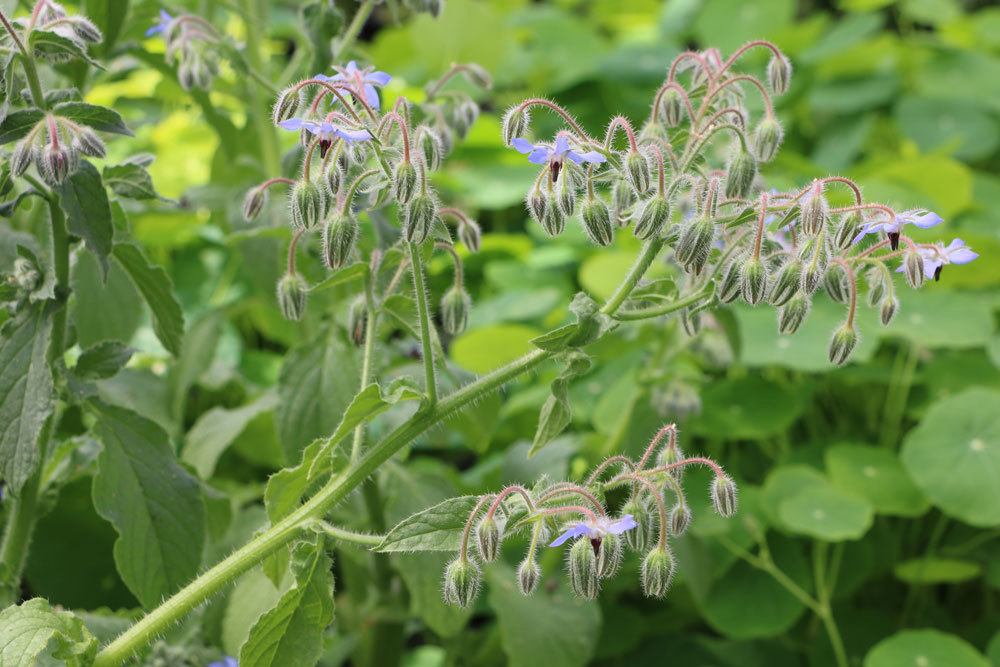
17	124
130	180
50	43
88	213
153	503
155	286
25	394
103	360
437	528
34	633
99	118
290	634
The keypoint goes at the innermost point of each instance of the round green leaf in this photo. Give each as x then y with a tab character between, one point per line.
482	350
748	408
786	482
826	513
876	475
937	570
924	648
954	456
963	129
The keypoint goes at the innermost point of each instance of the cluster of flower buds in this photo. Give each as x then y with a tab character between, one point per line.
656	510
54	145
358	157
731	239
192	44
48	16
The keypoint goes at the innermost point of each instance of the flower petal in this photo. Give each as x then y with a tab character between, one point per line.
540	155
292	124
962	256
619	526
562	144
371	96
920	217
522	145
378	78
353	135
576	530
592	156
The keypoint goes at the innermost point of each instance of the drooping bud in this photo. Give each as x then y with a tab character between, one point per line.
767	138
848	229
333	177
462	578
254	202
538	202
58	163
729	285
21	157
814	212
837	284
670	455
489	537
597	221
724	496
292	295
515	122
528	574
672	107
779	74
787	283
657	572
887	310
622	199
740	173
287	105
89	143
676	400
793	314
680	519
470	234
418	218
695	243
581	565
814	262
86	30
636	538
307	203
554	222
753	281
357	320
913	269
609	555
652	217
637	171
340	235
691	321
455	306
878	285
430	146
843	342
404	181
566	197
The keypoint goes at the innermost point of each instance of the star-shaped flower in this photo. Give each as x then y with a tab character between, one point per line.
161	25
555	154
920	217
595	529
937	255
365	79
325	130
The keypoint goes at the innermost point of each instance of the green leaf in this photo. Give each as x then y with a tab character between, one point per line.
216	430
954	456
47	43
103	310
924	648
483	350
156	288
933	570
826	513
556	412
154	504
347	274
33	633
437	528
102	360
97	117
88	213
290	634
550	627
130	180
750	407
26	394
876	475
109	17
18	124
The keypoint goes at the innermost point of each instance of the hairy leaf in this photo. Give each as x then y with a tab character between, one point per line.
17	124
33	633
103	360
437	528
156	288
130	180
88	213
97	117
216	430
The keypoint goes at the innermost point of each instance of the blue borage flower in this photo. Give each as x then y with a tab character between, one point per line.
595	529
364	78
228	661
555	154
936	255
161	25
919	217
326	131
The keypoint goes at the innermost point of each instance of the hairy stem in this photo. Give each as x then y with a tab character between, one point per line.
423	313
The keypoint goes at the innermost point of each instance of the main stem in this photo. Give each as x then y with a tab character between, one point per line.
423	313
354	29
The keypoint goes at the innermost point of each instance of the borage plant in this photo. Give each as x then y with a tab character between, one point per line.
686	183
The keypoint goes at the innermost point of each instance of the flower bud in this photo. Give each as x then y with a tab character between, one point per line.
462	578
877	285
680	519
566	196
489	537
836	284
333	178
58	163
669	456
779	74
814	211
652	218
21	157
814	261
478	75
597	221
676	400
430	146
554	221
581	565
793	314
254	202
609	555
404	181
464	116
786	284
913	269
307	203
538	202
636	538
657	572
740	172
287	105
637	171
671	107
455	305
86	30
753	281
724	496
340	235
418	218
528	574
691	321
843	342
89	143
292	294
848	229
622	199
695	243
887	310
515	123
470	234
357	320
767	138
728	287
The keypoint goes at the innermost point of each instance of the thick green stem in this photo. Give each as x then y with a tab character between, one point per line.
353	537
260	112
635	274
423	313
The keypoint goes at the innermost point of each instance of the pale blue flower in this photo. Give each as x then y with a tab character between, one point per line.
228	661
937	255
365	79
545	153
161	25
919	217
595	529
325	130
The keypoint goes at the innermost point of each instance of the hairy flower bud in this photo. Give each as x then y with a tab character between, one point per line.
652	217
691	321
581	565
657	572
554	221
843	342
814	212
292	294
307	204
86	30
671	107
455	306
622	199
636	538
89	143
489	536
464	116
566	196
333	178
879	283
597	221
740	173
680	519
429	144
729	284
695	243
462	578
357	320
814	262
888	309
753	281
793	314
787	283
637	171
848	229
254	202
515	123
779	74
538	203
767	138
58	163
913	269
836	284
724	496
609	555
287	105
418	218
670	455
404	181
470	234
340	235
528	574
21	157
